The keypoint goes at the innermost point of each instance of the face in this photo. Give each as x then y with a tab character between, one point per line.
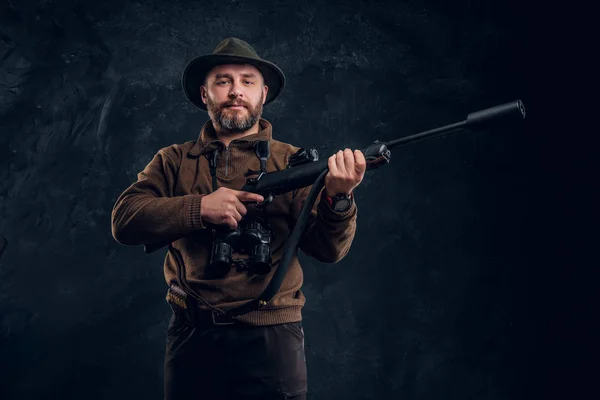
234	95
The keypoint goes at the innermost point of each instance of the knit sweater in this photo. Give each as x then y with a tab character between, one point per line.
165	201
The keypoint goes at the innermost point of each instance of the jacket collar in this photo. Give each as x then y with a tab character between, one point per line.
208	138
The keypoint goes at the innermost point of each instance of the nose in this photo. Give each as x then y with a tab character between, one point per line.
235	91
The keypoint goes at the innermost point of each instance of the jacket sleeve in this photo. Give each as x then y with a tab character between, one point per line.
328	234
148	212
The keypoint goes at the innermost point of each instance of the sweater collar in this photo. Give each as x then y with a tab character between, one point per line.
208	138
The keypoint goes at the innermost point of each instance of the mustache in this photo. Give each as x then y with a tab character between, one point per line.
230	104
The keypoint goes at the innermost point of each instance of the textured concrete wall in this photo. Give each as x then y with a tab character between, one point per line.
432	301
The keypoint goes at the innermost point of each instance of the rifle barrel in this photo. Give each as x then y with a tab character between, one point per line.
511	110
427	134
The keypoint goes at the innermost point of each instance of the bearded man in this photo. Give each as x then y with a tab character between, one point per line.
189	192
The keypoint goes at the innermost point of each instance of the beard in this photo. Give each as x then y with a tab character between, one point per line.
232	121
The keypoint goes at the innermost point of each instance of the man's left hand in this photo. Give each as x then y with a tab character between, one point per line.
346	172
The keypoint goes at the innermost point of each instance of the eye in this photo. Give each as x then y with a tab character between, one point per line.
249	82
220	82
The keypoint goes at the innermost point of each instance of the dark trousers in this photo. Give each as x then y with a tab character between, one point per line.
219	362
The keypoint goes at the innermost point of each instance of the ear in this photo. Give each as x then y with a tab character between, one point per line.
203	93
265	91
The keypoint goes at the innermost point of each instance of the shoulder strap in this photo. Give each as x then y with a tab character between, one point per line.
263	153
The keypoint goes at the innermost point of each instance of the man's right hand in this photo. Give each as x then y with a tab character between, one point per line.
224	206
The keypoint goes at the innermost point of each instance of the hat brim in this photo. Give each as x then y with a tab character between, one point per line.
196	70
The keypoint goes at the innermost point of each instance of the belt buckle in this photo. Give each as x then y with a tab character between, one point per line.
220	323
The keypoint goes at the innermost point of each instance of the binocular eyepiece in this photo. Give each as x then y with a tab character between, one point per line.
251	238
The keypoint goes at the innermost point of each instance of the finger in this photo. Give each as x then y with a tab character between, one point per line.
349	161
339	159
231	222
360	161
248	196
240	208
331	163
237	215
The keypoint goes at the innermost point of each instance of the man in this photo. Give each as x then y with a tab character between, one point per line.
189	192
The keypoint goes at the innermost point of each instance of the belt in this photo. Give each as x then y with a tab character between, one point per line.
183	306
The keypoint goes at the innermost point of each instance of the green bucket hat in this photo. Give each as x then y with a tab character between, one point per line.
230	51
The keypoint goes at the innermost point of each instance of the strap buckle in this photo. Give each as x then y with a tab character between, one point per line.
223	320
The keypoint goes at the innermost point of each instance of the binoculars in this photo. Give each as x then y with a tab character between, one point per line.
250	237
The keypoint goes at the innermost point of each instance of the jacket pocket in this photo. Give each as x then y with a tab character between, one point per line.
296	328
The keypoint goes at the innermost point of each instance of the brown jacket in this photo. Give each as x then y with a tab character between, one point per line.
165	201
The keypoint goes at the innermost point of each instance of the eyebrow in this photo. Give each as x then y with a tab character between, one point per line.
246	75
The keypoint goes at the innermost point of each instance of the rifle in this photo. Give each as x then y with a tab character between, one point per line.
310	171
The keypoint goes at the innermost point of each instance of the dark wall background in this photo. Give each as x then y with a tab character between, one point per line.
439	297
